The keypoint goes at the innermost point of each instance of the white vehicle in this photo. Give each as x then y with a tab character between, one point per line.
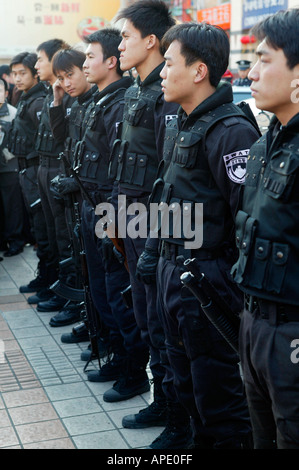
243	93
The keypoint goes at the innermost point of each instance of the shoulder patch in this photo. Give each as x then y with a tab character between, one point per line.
236	164
169	118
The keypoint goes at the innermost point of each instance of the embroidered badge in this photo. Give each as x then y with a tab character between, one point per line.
169	118
235	164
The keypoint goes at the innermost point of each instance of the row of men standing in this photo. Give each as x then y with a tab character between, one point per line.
120	136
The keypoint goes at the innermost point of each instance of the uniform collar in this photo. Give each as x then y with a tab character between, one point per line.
222	95
38	87
152	77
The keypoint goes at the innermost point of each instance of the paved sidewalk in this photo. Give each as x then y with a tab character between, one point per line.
45	400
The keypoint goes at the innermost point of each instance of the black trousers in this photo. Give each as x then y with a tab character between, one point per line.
54	211
13	209
269	351
206	371
29	185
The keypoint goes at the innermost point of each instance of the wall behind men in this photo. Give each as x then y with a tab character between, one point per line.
25	24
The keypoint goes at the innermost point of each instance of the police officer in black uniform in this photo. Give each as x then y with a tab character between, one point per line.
139	150
267	237
67	66
204	163
10	189
243	70
49	149
108	278
22	144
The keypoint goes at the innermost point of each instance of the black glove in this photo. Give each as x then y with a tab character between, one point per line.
110	252
147	266
63	185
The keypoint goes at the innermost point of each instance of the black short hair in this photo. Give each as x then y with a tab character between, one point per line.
6	88
28	59
52	46
65	60
281	31
202	41
109	39
149	17
4	69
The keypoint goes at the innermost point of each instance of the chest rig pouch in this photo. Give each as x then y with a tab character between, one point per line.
45	142
134	161
21	139
265	251
93	151
188	179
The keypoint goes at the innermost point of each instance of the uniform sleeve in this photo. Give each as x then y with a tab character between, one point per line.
227	149
163	114
58	123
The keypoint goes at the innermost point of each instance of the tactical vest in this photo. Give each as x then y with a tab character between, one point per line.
92	153
188	179
267	226
135	154
21	141
76	119
45	143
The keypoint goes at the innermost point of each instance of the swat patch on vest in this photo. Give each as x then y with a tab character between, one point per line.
169	118
235	164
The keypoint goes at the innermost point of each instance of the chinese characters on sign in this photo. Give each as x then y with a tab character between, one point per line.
220	16
256	10
51	14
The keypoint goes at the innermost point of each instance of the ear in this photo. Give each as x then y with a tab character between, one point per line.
112	62
200	72
151	41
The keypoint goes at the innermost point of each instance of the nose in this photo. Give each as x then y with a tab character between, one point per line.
254	72
163	72
121	46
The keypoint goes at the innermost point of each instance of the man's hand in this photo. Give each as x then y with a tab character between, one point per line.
58	93
64	185
147	266
110	252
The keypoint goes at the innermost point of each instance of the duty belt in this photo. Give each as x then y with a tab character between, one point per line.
24	163
273	311
168	250
49	162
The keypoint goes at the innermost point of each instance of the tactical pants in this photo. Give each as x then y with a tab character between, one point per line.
147	316
11	195
29	185
206	371
269	357
54	211
106	283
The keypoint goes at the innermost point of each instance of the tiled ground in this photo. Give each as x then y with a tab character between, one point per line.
45	400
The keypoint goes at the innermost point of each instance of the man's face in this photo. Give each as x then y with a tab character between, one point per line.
73	82
23	78
44	67
243	73
95	67
178	79
133	48
273	81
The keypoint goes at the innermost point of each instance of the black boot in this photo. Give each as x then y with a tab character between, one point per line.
154	415
111	370
178	433
40	282
133	381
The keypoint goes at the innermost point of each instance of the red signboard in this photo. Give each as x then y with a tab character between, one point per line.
220	16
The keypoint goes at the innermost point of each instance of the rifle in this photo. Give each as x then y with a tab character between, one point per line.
92	319
213	305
